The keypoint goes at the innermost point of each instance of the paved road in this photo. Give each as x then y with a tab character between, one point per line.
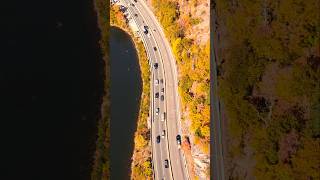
168	148
217	159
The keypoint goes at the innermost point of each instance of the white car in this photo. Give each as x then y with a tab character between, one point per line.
163	133
156	82
163	116
157	111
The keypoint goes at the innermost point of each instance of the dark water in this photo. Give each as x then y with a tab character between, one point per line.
51	74
125	100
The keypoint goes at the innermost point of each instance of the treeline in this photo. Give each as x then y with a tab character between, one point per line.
101	164
141	166
269	74
193	67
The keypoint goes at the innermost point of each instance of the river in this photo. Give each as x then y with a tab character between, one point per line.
126	86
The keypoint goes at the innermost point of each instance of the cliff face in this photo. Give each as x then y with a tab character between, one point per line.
186	25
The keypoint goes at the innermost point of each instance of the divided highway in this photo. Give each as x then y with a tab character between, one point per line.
167	156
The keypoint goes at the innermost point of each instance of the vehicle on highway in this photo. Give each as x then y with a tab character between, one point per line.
155	48
156	82
158	139
178	140
157	95
156	65
162	97
161	81
163	133
122	8
157	111
166	163
163	116
162	90
144	29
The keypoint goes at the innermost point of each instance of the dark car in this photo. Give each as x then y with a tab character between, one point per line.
132	4
161	80
162	98
135	1
158	139
166	163
136	15
155	48
178	139
122	8
157	95
156	65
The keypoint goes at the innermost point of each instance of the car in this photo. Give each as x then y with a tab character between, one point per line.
156	65
156	82
157	95
144	29
161	81
132	4
158	139
178	140
155	48
135	1
122	8
162	90
163	133
157	111
136	15
166	163
163	116
162	97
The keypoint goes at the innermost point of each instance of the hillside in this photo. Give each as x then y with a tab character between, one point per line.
269	74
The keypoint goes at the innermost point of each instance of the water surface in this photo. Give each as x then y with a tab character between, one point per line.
125	100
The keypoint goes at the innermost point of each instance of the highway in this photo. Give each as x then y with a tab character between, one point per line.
217	159
165	115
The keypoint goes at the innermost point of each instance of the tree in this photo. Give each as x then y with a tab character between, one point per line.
140	141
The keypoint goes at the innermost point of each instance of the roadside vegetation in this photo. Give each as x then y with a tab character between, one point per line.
141	167
269	74
101	164
179	20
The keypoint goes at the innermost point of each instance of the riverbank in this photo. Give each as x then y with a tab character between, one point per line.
141	167
101	166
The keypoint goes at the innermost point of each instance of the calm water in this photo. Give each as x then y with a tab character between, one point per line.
51	82
125	101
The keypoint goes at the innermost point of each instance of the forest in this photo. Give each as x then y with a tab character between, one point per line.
269	74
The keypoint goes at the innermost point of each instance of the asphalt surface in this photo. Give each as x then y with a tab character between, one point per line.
217	159
167	148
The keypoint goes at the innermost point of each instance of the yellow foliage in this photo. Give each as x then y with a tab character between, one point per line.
205	131
140	141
